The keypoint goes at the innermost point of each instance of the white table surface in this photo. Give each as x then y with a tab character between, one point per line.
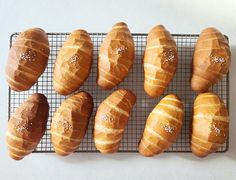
183	16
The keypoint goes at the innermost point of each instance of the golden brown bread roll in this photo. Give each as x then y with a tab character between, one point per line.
160	61
27	126
211	59
163	125
73	62
111	119
210	124
70	122
27	59
116	56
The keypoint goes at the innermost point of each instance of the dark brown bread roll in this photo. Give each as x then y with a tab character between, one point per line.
27	60
27	126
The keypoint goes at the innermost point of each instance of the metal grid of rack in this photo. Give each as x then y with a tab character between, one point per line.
144	105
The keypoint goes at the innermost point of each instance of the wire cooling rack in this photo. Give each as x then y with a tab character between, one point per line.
144	105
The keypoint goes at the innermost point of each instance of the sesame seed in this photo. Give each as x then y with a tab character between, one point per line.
104	117
168	56
216	59
107	118
216	130
120	50
66	125
74	59
168	128
21	128
28	56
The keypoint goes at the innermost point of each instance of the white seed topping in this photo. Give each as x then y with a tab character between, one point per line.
107	118
66	125
20	128
168	128
217	130
28	56
216	59
120	50
23	127
74	59
168	57
104	117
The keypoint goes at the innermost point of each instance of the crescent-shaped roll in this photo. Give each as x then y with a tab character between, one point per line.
111	119
163	125
160	61
73	63
116	56
27	126
27	59
210	126
211	59
70	122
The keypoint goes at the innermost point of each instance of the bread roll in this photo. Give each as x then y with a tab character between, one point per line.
210	124
116	56
160	61
70	122
163	125
211	59
27	126
27	60
111	119
73	63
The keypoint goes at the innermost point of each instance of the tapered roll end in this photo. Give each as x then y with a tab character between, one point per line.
106	85
62	90
129	94
199	84
16	86
15	157
14	82
60	153
38	97
153	92
198	153
108	151
79	31
159	27
106	148
119	24
12	151
209	30
144	151
37	29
